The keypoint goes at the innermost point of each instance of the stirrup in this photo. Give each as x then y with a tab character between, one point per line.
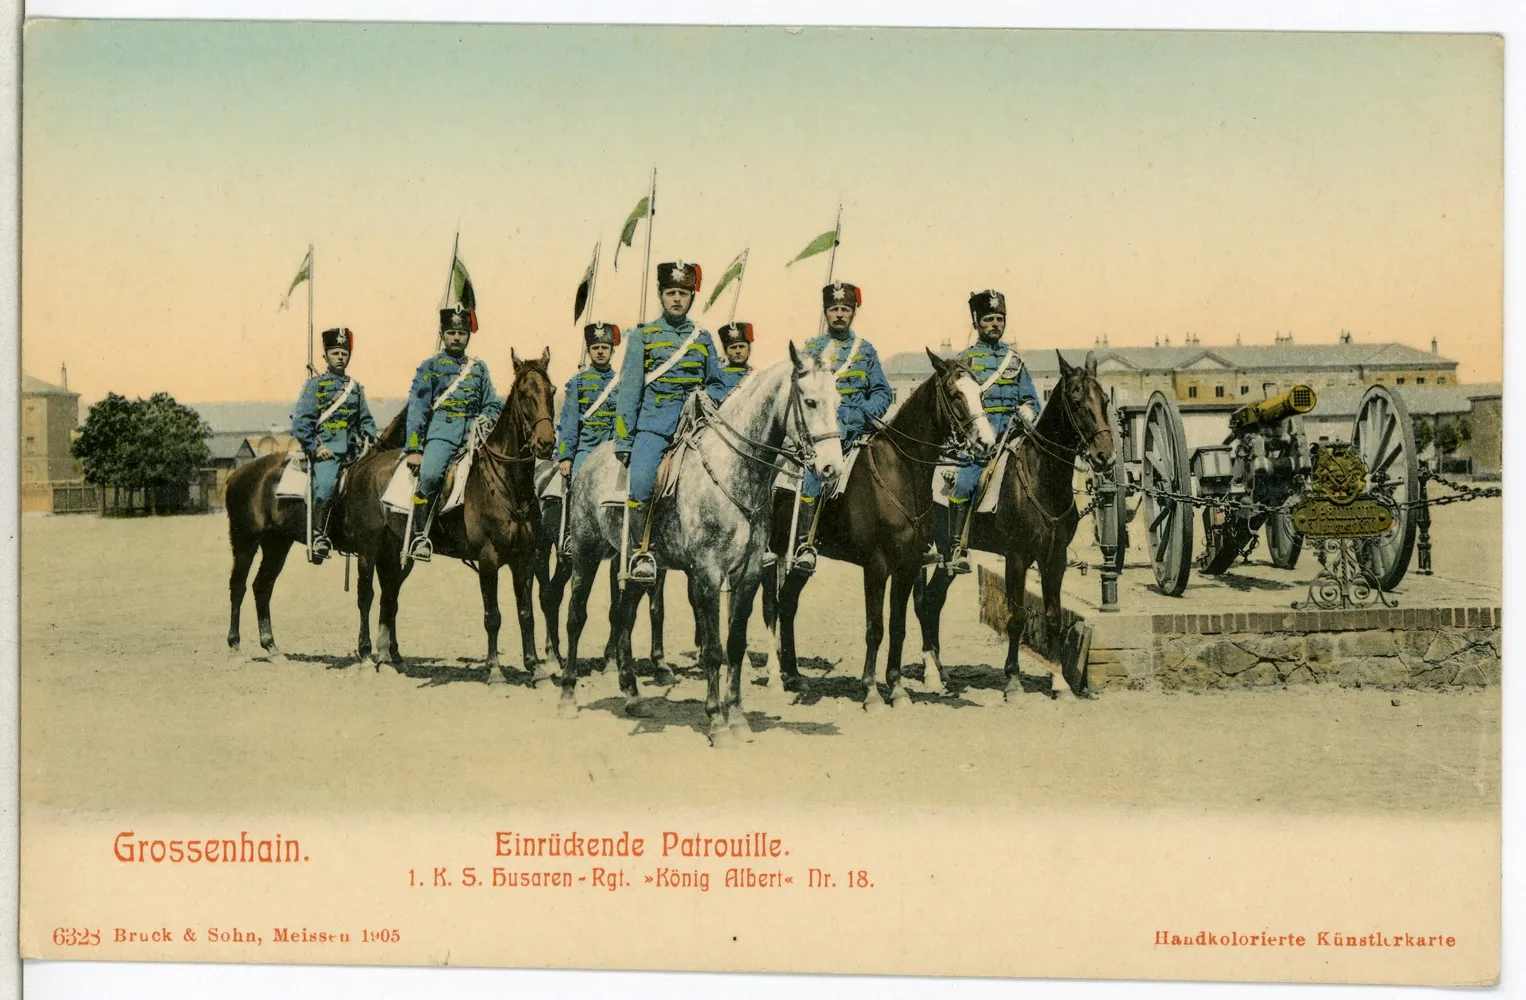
421	549
643	568
804	560
959	563
320	550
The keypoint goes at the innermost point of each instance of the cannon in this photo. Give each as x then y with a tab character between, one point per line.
1264	461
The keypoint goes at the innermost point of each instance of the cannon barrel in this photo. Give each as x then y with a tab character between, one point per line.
1299	399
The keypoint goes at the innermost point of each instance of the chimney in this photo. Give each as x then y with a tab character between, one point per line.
63	369
947	347
1433	346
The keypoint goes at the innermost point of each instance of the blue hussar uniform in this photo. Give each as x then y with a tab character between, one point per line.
730	375
864	396
448	394
1006	389
579	432
342	430
655	382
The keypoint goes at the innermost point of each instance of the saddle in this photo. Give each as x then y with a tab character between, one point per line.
943	483
667	479
789	478
398	496
293	481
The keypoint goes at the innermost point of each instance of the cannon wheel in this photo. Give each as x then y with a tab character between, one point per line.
1168	523
1385	439
1282	541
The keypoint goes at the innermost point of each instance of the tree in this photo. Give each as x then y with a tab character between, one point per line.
1448	437
1425	433
141	443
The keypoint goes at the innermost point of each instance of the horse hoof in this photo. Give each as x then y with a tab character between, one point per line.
741	730
1012	693
873	703
900	699
541	678
663	677
567	707
276	656
722	738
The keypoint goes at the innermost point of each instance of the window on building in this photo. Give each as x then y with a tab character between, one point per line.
1420	380
1399	380
1046	393
1245	390
1192	392
1441	380
1218	392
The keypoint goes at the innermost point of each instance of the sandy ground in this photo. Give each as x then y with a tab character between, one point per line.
130	702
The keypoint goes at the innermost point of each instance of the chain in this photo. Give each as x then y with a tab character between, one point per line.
1464	493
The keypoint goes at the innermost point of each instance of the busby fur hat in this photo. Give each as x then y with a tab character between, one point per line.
735	333
840	293
987	302
679	274
601	333
339	336
458	318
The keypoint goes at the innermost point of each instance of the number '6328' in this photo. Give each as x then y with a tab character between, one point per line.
68	937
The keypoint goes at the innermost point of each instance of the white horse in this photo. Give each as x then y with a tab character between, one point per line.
715	526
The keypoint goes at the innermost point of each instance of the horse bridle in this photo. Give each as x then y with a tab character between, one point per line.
527	427
959	431
1053	448
803	450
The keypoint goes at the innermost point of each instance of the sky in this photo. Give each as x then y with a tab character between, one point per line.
1129	184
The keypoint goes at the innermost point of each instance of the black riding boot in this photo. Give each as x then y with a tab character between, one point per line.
321	547
643	567
419	547
804	560
959	556
551	520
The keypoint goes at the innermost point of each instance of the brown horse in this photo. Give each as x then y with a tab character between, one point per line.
259	523
882	520
498	524
1035	516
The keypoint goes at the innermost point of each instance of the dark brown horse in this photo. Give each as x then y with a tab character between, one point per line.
260	524
497	525
882	520
1035	517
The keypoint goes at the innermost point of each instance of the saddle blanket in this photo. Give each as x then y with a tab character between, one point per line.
398	496
667	483
789	480
293	481
549	484
943	484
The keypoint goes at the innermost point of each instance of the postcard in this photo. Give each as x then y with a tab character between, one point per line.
925	502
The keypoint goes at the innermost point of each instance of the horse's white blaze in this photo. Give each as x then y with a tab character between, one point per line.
982	423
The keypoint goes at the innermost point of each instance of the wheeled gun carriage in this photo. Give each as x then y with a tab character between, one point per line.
1252	481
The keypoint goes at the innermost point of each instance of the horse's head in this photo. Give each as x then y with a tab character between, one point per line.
813	422
532	403
959	404
1084	407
